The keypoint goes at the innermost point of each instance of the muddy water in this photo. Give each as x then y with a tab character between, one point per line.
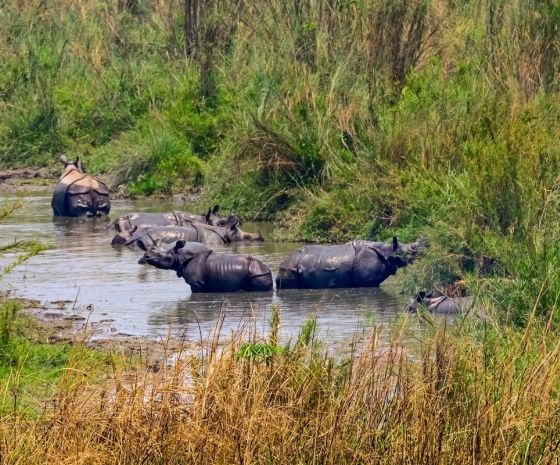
107	287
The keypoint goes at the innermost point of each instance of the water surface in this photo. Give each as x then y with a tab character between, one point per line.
107	286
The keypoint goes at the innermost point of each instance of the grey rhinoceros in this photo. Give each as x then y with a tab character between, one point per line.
356	264
79	194
193	232
125	225
208	271
440	304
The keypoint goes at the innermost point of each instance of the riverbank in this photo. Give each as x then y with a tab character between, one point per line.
27	180
57	323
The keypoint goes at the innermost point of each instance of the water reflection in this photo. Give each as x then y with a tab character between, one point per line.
105	282
341	310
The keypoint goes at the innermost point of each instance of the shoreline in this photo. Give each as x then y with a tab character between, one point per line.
57	322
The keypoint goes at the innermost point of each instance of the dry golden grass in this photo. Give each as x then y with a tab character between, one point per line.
445	397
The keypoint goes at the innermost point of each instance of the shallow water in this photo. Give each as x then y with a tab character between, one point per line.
106	284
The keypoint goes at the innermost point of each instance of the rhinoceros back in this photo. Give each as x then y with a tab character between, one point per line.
323	266
78	194
226	272
156	235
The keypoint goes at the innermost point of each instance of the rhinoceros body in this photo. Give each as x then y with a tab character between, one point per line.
356	264
193	232
441	304
208	271
127	224
79	194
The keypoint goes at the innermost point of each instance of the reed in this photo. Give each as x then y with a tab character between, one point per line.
463	393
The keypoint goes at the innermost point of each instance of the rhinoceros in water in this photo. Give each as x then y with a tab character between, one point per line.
193	232
79	194
208	271
441	304
126	225
356	264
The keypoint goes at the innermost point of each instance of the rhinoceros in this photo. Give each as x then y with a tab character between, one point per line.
124	225
441	304
79	194
208	271
355	264
194	232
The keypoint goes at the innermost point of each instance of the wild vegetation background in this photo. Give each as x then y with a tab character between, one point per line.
337	119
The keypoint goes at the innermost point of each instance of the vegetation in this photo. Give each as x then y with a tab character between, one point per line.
336	119
471	393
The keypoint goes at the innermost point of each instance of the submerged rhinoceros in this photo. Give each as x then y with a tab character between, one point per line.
79	194
208	271
441	304
193	232
125	225
356	264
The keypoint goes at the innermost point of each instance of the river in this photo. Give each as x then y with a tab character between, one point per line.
106	285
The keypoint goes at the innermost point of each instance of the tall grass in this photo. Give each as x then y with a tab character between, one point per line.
463	394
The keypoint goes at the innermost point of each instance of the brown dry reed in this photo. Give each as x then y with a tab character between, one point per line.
467	393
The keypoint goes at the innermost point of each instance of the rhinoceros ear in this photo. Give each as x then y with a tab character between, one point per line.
215	209
395	243
178	246
63	159
118	227
208	215
234	226
141	245
79	165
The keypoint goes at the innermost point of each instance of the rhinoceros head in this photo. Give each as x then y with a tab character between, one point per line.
213	219
174	258
70	166
123	235
234	234
416	301
402	254
161	258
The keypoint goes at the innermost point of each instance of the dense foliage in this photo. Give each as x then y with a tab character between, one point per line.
337	119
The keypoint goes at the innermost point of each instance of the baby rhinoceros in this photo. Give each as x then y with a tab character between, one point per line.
208	271
441	304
